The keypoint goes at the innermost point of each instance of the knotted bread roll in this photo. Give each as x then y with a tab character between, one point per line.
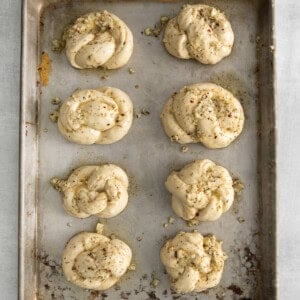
98	39
94	190
193	262
94	261
98	116
201	191
201	32
203	112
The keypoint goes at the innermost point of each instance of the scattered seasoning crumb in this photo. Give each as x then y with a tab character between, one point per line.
132	267
99	228
236	289
171	220
139	238
117	287
152	296
164	19
174	138
69	224
238	186
136	86
131	71
56	101
154	280
145	112
220	293
158	27
166	225
54	116
184	149
57	45
45	68
192	223
45	130
57	183
104	77
148	31
272	47
125	295
241	219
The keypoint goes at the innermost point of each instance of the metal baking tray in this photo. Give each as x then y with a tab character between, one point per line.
147	154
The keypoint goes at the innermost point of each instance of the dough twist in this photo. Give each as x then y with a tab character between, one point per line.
94	190
205	113
201	191
100	116
98	39
193	262
94	261
201	32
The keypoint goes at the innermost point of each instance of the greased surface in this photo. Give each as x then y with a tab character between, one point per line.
146	154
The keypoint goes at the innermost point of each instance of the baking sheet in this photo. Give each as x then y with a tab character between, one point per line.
147	154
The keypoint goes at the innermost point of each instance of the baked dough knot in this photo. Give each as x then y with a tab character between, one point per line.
201	191
94	190
201	32
98	39
193	262
205	113
94	261
96	116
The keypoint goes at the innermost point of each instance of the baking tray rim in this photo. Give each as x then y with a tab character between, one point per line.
24	153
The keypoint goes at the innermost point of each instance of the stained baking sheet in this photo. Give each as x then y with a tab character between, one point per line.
248	229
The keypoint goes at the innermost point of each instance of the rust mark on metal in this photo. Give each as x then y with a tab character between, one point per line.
45	68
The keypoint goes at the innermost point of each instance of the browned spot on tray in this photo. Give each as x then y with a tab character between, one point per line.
236	289
45	68
125	295
94	295
152	295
